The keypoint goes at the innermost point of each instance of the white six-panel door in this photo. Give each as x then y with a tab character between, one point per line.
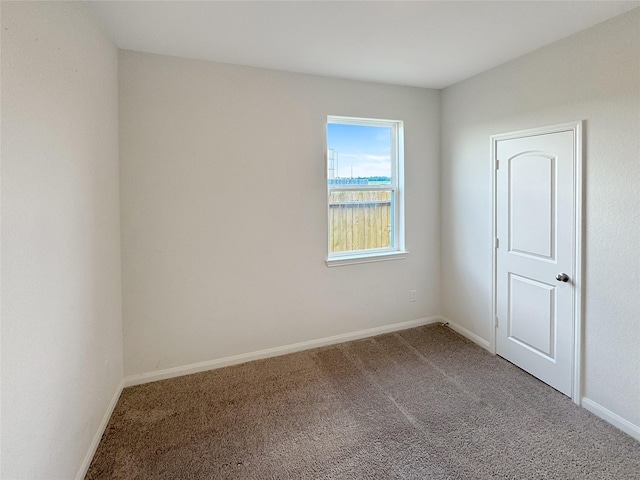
535	271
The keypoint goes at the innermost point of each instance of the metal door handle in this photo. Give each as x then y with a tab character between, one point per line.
562	277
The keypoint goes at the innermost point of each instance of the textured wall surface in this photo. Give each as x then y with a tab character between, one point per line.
592	76
61	300
224	216
208	153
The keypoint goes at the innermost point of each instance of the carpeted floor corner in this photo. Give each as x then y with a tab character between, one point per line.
423	403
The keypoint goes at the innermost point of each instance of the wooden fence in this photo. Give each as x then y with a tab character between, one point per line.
359	220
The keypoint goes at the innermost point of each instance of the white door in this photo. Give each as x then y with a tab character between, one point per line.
536	224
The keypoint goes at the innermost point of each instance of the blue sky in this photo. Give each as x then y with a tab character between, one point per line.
364	149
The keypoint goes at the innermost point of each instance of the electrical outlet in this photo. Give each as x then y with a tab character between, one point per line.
412	295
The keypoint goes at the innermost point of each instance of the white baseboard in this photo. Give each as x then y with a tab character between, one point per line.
608	416
82	472
467	333
273	352
598	410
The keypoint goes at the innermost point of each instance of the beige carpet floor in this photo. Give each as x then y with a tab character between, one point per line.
423	403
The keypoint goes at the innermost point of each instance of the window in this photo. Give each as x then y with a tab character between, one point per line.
364	190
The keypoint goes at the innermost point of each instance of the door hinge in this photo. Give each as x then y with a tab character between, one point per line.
497	164
497	243
497	321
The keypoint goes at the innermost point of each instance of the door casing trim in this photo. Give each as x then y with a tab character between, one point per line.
577	128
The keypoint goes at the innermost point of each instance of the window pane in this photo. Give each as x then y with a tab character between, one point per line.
360	220
358	154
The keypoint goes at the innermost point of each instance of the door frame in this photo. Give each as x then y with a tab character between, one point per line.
577	129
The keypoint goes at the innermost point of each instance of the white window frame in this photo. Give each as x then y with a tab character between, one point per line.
397	250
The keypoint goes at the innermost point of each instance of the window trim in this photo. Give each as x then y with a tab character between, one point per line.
368	258
396	251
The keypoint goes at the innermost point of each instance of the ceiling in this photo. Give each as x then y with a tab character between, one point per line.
425	43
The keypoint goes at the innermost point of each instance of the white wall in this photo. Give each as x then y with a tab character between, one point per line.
224	220
224	215
61	300
595	76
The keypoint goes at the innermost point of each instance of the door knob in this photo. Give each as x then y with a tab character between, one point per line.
562	277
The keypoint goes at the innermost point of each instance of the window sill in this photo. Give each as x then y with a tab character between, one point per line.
367	258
